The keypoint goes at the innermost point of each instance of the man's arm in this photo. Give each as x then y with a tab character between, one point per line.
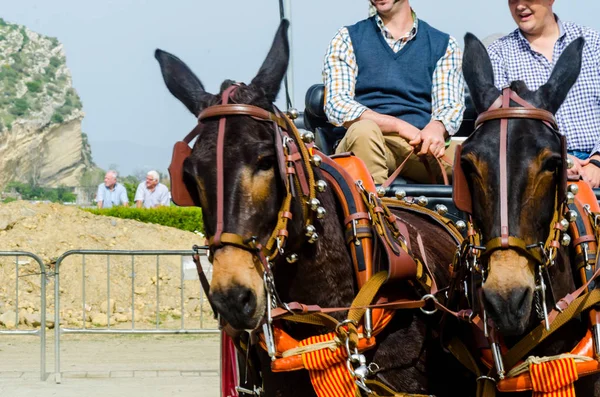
499	66
124	199
447	101
339	77
99	196
166	197
139	196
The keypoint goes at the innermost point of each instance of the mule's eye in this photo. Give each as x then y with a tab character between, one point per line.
551	163
265	163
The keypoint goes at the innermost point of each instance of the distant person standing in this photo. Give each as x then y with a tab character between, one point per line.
152	193
111	193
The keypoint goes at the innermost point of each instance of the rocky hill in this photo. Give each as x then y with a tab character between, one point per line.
40	112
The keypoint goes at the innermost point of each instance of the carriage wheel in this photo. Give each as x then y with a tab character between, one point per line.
230	374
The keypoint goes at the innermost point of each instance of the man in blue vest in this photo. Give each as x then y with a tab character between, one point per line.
396	84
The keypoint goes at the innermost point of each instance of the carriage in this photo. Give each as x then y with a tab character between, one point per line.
387	286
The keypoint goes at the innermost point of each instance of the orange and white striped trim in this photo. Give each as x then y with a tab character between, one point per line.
327	369
554	378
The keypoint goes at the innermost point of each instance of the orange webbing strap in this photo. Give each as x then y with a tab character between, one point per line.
554	378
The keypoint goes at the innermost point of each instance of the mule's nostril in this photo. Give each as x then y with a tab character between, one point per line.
492	301
520	299
247	301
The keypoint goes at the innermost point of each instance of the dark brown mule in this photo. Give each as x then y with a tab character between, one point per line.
408	351
534	164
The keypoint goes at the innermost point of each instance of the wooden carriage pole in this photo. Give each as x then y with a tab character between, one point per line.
285	11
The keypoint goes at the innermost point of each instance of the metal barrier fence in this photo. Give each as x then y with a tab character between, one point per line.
41	331
134	267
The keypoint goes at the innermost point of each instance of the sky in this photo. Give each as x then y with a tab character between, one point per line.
133	121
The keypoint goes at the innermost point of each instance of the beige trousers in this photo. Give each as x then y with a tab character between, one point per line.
383	153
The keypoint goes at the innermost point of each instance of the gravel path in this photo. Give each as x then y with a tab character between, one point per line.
99	365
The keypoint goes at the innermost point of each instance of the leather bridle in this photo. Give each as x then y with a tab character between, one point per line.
501	110
295	171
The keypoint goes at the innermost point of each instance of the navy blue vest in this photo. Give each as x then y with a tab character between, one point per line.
397	84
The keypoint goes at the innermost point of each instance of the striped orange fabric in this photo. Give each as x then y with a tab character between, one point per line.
327	369
554	378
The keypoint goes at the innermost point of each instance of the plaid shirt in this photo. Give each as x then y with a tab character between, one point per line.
340	72
579	116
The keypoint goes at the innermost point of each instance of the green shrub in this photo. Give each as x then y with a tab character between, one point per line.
20	107
184	218
55	62
34	86
57	118
30	191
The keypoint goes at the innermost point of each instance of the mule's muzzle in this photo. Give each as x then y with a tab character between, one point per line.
511	313
237	305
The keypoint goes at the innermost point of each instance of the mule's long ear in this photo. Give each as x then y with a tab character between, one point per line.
566	71
479	73
182	82
273	69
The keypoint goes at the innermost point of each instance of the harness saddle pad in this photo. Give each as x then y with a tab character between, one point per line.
373	247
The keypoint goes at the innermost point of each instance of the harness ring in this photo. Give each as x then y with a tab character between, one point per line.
434	299
484	377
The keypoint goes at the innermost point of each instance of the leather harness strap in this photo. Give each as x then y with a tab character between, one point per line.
501	110
220	168
504	175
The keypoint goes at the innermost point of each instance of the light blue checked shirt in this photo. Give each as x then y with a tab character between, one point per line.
340	71
579	116
114	197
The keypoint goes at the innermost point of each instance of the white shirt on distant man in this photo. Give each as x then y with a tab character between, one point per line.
152	193
110	193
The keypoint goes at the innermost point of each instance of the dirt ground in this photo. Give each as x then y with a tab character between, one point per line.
104	365
49	230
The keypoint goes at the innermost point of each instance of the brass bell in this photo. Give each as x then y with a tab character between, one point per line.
571	216
565	239
422	201
321	212
381	191
293	113
313	238
292	258
314	203
316	160
309	230
573	188
564	225
461	226
570	198
400	194
321	186
308	137
570	163
441	209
